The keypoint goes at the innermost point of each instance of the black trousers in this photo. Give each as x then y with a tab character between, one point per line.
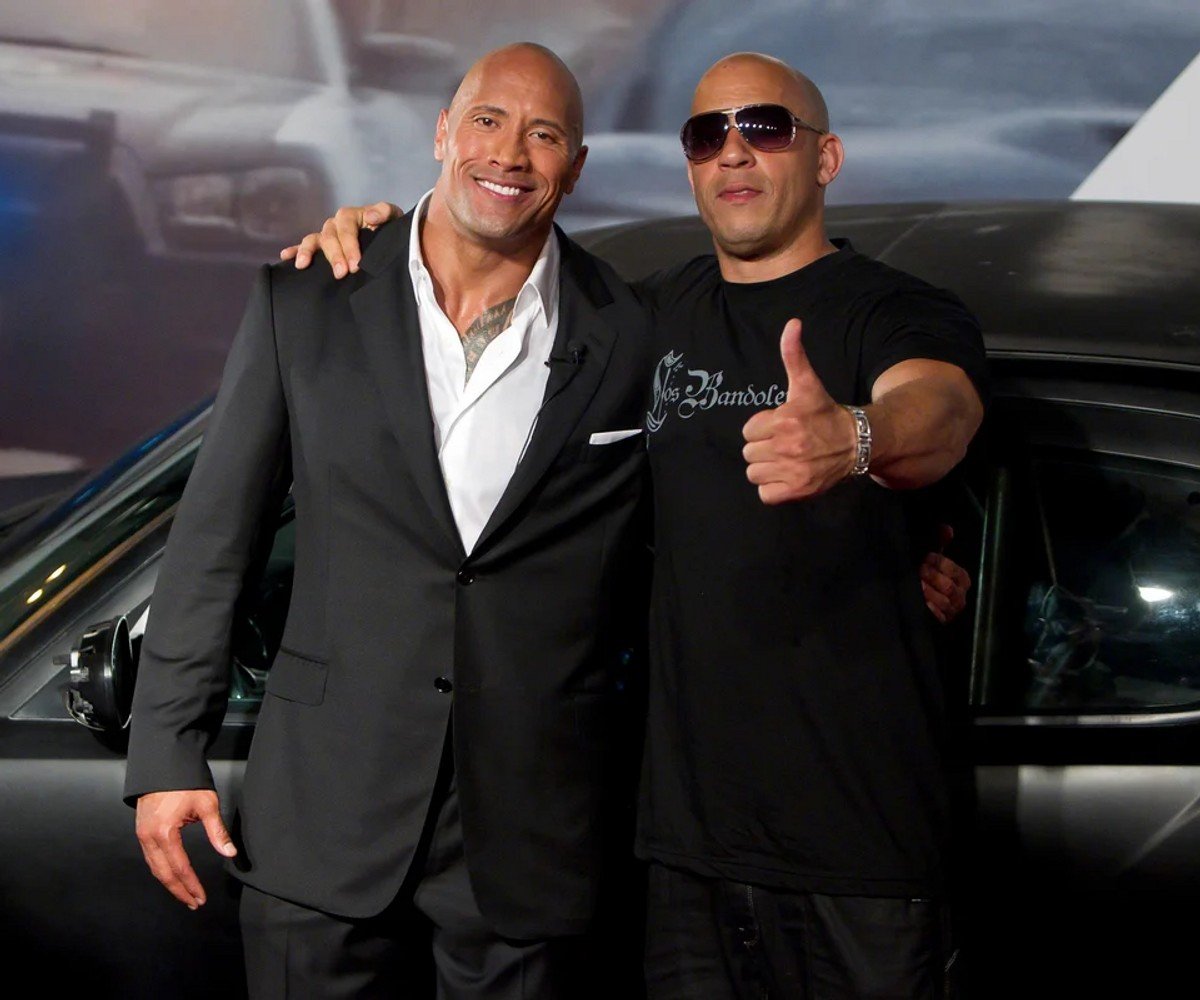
712	939
432	941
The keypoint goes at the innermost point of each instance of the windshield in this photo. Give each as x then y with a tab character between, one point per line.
13	517
271	37
41	568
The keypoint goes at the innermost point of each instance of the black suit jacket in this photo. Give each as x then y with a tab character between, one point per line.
325	389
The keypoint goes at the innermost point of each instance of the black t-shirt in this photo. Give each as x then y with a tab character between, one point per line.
794	731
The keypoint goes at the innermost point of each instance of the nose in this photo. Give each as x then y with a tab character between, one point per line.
735	151
510	151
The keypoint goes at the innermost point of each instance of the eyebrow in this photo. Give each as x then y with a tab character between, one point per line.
501	113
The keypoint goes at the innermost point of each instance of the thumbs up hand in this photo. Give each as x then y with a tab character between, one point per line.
806	445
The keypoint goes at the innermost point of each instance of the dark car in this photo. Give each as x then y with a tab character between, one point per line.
1074	679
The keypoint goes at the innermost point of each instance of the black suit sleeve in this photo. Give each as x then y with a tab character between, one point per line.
227	514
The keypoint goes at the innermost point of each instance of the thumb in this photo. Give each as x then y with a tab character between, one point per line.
945	536
795	359
218	836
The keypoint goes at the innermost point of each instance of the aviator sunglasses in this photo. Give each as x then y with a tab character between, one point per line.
769	128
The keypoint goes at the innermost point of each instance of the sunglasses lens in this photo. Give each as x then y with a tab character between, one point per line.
703	135
767	127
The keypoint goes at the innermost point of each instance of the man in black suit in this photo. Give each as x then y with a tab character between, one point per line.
459	428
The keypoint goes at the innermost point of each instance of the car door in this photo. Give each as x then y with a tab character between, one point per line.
1085	682
75	893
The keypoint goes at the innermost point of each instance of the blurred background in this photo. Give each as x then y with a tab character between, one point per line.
153	152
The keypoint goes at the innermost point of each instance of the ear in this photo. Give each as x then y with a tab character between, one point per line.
829	159
439	137
576	168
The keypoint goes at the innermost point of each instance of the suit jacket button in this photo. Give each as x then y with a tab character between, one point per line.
466	577
443	684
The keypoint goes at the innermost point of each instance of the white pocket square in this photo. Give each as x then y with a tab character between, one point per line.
608	437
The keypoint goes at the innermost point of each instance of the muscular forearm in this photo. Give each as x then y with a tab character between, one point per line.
920	428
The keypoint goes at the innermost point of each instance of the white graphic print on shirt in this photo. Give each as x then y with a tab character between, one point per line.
685	392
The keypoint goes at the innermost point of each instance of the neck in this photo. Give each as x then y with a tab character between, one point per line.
770	263
463	264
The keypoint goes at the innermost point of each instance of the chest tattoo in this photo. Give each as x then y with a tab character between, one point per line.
487	326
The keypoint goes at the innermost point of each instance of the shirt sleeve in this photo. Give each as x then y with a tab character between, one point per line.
923	322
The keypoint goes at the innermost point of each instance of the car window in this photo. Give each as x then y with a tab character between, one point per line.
64	560
1095	577
74	561
258	622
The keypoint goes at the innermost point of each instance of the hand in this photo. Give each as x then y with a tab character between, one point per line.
943	582
160	817
805	446
338	238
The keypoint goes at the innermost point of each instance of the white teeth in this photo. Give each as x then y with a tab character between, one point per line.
509	192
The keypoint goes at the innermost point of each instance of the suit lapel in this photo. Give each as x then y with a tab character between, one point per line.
582	346
386	311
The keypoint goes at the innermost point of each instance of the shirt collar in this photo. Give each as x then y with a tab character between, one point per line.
541	285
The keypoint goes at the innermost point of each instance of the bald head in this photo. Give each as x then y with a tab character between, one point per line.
759	79
534	63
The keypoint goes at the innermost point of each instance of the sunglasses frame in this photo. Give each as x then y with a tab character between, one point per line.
730	116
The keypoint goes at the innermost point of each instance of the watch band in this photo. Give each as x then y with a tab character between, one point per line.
862	450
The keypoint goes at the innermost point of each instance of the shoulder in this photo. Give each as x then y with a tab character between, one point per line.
903	317
679	283
314	281
883	293
381	249
303	307
595	278
316	284
587	265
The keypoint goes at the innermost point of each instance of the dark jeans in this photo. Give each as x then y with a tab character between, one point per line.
712	939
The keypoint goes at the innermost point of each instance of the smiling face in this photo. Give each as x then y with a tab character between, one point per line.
764	205
510	147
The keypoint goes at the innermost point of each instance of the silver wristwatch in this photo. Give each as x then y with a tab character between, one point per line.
862	449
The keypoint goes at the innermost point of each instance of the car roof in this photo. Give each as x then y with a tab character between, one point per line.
1088	280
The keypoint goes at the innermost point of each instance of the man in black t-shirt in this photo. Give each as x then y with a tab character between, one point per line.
794	808
794	803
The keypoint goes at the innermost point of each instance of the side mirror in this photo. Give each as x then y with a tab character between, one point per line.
99	694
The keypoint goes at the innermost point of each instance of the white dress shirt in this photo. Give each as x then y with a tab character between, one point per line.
481	427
